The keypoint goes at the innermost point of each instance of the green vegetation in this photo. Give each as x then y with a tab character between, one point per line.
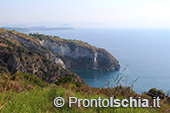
32	95
155	93
29	91
69	80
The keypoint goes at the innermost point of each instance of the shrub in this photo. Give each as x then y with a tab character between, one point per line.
38	81
155	93
27	76
78	84
68	79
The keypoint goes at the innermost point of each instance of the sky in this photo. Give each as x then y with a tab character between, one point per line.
86	13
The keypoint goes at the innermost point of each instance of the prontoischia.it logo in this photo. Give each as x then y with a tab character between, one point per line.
60	102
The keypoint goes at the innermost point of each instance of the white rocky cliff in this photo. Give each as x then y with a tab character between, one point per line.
74	55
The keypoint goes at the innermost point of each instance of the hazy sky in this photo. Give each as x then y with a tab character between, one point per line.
87	13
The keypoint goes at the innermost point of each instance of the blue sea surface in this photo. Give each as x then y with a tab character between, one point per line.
145	51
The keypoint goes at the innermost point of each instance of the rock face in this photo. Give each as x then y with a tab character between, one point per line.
16	58
76	56
12	62
70	54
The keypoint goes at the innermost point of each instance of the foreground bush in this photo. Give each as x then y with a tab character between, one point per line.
37	96
156	93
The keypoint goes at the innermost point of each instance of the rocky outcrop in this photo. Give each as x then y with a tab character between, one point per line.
13	63
70	54
16	58
81	56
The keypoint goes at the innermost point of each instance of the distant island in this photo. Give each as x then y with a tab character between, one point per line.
38	28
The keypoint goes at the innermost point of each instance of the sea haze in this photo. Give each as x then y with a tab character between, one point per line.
145	51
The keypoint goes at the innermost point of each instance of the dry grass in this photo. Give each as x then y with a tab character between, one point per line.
6	101
3	45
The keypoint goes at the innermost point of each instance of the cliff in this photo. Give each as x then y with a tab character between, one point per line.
70	54
16	58
80	55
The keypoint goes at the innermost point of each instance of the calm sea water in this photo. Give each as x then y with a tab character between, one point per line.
145	51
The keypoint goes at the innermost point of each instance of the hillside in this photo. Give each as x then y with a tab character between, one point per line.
34	71
70	54
28	94
16	58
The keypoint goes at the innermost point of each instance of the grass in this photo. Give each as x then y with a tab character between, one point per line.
41	100
39	97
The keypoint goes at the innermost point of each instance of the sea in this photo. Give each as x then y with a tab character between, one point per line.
143	53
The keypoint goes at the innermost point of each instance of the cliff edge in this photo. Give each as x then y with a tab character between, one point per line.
70	54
